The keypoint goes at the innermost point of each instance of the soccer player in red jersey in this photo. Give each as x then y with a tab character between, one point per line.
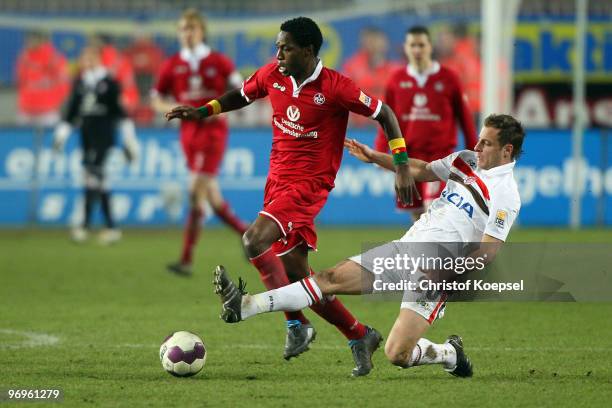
428	101
310	106
195	76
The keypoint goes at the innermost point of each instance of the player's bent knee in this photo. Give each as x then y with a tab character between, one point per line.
397	355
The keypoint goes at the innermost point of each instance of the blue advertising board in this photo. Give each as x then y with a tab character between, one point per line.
38	185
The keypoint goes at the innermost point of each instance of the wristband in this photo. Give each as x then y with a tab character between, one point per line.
398	150
211	108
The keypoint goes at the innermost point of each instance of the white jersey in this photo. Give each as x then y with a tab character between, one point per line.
475	202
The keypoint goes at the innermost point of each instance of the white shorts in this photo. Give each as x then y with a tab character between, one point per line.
429	305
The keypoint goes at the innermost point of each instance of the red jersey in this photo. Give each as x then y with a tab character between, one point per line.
309	121
428	106
195	78
43	81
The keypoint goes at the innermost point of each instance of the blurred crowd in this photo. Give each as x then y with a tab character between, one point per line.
44	74
454	47
43	77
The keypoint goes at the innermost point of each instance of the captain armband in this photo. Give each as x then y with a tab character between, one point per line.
398	150
211	108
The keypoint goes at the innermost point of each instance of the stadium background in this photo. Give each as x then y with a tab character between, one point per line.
40	188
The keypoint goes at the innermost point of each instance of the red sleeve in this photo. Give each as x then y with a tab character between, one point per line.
463	113
164	81
350	97
254	87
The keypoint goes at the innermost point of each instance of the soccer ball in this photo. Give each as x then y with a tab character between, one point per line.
182	354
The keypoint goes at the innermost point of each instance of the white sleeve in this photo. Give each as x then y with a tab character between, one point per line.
503	210
442	166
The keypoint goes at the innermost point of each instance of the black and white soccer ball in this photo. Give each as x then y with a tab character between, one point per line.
182	354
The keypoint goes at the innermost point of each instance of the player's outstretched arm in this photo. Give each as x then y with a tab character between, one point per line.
404	181
227	102
419	169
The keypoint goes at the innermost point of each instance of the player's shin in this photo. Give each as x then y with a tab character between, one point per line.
191	234
271	269
105	203
90	199
334	312
225	213
293	297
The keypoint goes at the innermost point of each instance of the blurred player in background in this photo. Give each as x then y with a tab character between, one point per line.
120	68
458	51
428	101
311	105
482	180
43	82
95	107
370	67
195	76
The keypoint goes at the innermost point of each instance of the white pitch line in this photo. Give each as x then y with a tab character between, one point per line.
316	346
31	339
43	339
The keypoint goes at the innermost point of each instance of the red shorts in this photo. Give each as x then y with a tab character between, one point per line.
204	144
294	207
429	191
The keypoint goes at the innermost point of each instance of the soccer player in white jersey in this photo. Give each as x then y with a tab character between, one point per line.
479	204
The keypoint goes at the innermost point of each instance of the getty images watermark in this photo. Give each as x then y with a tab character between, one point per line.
422	271
430	273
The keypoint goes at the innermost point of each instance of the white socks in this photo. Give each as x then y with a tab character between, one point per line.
290	298
426	352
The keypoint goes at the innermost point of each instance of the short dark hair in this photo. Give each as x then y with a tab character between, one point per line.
416	30
304	32
510	132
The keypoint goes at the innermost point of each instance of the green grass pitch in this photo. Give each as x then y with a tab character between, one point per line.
108	308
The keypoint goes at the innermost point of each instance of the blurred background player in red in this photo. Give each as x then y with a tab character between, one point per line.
146	57
43	81
370	67
428	100
194	76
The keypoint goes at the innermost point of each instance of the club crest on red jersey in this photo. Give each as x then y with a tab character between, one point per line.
420	100
439	86
319	99
293	113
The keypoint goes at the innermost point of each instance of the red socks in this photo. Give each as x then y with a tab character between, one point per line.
191	233
334	312
273	276
228	217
